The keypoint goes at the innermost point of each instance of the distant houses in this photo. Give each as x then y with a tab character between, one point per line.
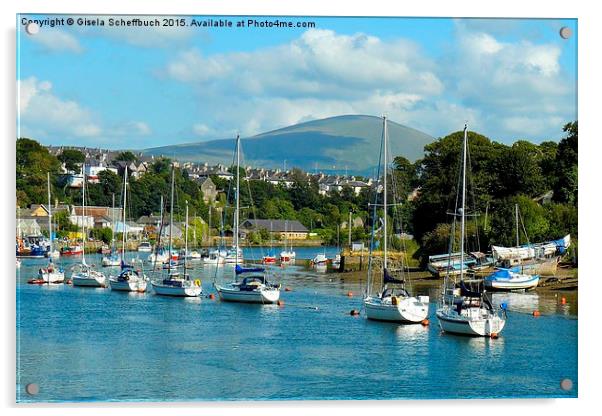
284	229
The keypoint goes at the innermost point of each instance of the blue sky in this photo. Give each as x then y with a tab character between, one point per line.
145	87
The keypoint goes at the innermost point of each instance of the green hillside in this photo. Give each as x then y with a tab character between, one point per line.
337	143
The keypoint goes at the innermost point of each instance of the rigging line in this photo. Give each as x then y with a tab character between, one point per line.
398	217
472	186
520	217
452	234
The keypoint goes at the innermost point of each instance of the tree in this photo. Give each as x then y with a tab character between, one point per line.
126	156
72	159
565	189
34	162
519	171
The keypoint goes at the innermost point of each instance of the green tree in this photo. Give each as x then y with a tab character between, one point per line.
33	163
565	189
126	156
73	159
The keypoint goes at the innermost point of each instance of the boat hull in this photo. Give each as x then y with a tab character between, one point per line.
88	281
410	310
52	277
263	296
176	291
131	285
470	324
512	284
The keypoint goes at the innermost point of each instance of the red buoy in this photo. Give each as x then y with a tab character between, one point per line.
288	289
354	312
425	322
212	296
493	335
563	300
280	303
349	294
536	313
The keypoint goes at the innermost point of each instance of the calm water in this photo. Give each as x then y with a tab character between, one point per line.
83	344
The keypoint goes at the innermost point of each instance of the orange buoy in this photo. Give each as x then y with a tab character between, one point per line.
68	282
280	303
425	322
536	313
288	289
563	300
349	294
354	312
212	296
493	335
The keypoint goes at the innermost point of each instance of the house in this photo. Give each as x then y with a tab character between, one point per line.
131	228
176	232
209	190
93	170
41	210
286	229
28	226
98	213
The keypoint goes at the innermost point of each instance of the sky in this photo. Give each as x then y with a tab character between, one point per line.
141	87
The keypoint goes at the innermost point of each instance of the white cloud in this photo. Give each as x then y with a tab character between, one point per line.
45	116
56	40
38	106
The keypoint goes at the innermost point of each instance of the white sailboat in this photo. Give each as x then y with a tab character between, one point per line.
113	259
288	254
254	286
391	304
176	283
466	310
51	274
84	274
130	279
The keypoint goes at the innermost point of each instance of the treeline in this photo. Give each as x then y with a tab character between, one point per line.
500	177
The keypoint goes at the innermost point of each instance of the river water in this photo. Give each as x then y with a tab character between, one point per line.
86	344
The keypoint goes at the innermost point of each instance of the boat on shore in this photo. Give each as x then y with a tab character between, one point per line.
510	280
440	265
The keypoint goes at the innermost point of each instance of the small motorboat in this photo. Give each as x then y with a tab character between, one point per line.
85	275
73	250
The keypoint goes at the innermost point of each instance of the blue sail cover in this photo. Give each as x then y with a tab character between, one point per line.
239	269
499	274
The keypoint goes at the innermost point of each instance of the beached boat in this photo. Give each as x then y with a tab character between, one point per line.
130	279
510	280
393	304
84	274
254	286
466	308
176	283
440	265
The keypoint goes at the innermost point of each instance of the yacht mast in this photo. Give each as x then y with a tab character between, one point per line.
124	232
171	217
236	212
385	194
516	215
185	238
49	216
83	214
463	217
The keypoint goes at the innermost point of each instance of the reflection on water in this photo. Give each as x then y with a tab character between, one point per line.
95	344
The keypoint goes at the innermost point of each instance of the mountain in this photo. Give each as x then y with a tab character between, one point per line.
349	142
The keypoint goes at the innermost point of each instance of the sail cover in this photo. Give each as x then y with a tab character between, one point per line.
240	269
387	278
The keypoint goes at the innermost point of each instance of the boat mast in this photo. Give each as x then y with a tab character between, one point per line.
49	216
124	232
186	238
113	222
463	217
173	169
385	194
83	214
516	215
236	212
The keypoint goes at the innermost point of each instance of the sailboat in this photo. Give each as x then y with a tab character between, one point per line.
160	255
287	255
50	273
84	274
394	304
509	279
467	310
254	286
176	283
269	258
218	255
112	259
130	279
